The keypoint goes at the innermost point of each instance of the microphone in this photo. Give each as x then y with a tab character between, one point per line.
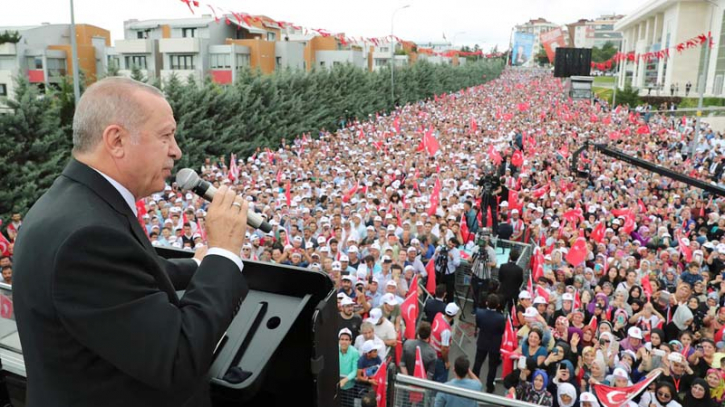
189	180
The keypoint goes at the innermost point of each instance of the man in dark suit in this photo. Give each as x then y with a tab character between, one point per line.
505	230
511	276
490	324
435	305
97	312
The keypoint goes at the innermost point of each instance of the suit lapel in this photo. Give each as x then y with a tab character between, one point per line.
89	177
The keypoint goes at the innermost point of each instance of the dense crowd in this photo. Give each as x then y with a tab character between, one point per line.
628	275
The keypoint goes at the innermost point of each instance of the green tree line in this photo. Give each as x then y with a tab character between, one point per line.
255	111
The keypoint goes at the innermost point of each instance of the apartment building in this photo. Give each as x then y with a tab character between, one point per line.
595	33
536	27
43	55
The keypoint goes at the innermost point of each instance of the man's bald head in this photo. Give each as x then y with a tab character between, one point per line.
108	101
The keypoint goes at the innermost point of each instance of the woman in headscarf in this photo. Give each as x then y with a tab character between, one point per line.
561	328
587	336
563	373
698	312
664	395
681	321
717	386
566	395
698	395
535	392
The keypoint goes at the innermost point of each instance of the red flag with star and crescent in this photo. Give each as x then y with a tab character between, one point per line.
508	345
618	396
380	384
409	311
430	285
419	372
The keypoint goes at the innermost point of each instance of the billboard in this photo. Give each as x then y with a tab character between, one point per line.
523	48
551	40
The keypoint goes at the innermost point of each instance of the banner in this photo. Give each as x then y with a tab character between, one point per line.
523	48
617	396
551	40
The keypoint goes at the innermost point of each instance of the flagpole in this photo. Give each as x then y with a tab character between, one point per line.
74	55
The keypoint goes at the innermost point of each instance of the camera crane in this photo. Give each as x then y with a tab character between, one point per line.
638	162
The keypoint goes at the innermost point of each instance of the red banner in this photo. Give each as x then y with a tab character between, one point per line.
551	40
617	396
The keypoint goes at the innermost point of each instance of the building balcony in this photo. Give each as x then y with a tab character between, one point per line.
141	46
180	45
8	48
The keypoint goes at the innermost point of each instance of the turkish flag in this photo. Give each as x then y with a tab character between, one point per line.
538	193
464	229
607	120
578	252
542	292
517	159
474	125
522	107
577	300
279	177
621	212
537	264
573	215
413	286
380	384
409	311
685	248
396	124
417	397
644	129
351	192
614	135
398	349
514	200
598	232
6	307
508	345
618	396
430	285
646	286
593	323
494	155
629	224
431	143
288	193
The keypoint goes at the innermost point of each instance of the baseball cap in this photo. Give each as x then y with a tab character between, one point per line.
524	295
321	240
531	312
368	346
375	315
567	297
452	309
347	301
588	397
539	300
344	331
634	332
336	266
344	258
352	249
348	277
618	372
389	299
391	283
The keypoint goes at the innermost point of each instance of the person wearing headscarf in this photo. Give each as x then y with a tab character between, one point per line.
681	320
698	395
717	386
511	381
535	392
664	395
561	328
566	395
563	373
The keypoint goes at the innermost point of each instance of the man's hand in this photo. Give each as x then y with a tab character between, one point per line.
200	253
226	220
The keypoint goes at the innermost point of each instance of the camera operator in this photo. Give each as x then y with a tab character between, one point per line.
447	260
484	267
490	189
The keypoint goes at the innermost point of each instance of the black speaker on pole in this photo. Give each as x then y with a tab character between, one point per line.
572	62
281	348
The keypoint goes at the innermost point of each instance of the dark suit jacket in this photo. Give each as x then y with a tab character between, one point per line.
98	316
511	276
505	230
491	326
432	307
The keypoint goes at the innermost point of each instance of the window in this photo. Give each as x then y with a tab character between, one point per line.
142	35
278	61
220	61
56	67
35	62
188	32
114	61
384	49
271	36
242	60
138	61
381	62
182	62
3	89
336	63
322	63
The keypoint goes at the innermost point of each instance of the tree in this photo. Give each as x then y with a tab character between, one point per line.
112	69
542	58
628	96
605	53
136	74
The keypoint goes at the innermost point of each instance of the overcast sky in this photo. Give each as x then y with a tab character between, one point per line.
483	22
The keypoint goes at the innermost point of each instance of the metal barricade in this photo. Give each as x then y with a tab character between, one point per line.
411	391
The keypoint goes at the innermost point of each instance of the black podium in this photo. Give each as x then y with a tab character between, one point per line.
281	348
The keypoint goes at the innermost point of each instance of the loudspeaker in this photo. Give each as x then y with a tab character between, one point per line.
572	62
281	348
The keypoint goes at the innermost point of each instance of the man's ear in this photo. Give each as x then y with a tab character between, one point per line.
114	140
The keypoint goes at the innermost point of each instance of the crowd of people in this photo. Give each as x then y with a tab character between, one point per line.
628	279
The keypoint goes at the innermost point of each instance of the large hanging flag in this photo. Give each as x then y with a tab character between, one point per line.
409	311
619	396
380	384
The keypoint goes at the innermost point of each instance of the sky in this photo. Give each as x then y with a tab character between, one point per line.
464	22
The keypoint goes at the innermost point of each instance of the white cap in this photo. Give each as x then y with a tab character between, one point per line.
676	357
621	373
368	346
524	295
336	266
588	397
321	240
344	258
347	301
344	331
374	246
452	309
375	315
539	300
531	312
389	299
348	277
352	249
567	297
634	332
391	283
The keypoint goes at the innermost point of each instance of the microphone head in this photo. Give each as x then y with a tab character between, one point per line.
187	179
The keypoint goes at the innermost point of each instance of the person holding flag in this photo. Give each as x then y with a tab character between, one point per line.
422	343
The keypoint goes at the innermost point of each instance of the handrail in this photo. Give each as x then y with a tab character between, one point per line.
457	391
6	286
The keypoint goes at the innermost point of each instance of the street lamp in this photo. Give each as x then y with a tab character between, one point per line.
74	55
703	83
392	53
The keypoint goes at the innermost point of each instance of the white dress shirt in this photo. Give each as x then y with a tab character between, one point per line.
128	197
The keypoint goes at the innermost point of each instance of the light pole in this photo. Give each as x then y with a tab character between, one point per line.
392	53
619	72
74	55
702	84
